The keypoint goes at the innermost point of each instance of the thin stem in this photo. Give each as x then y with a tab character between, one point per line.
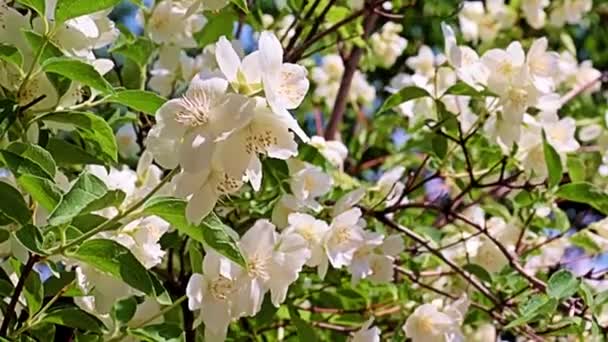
10	310
34	319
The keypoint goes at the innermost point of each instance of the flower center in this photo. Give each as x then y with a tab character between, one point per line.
425	324
228	185
195	110
258	267
221	287
342	235
258	142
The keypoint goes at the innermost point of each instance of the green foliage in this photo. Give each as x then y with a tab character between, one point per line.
78	71
110	257
68	9
143	101
212	232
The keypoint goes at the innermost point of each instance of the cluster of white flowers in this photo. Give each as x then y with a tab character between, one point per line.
77	37
436	322
226	291
482	20
327	79
561	12
219	128
387	45
141	236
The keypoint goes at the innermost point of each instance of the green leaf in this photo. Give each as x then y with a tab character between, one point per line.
463	89
583	192
242	4
11	55
137	50
6	288
36	155
65	153
218	25
36	41
160	292
576	168
554	163
403	95
536	307
140	100
75	318
86	190
212	232
112	198
562	284
479	272
12	204
92	128
42	190
68	9
31	238
440	145
164	332
79	71
305	331
36	5
113	258
124	309
21	166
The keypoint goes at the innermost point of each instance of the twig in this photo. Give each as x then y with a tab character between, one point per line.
10	310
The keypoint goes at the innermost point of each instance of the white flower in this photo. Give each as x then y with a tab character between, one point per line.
345	236
265	134
367	333
327	79
285	84
142	238
484	333
214	294
244	75
206	187
374	259
534	12
464	60
164	72
101	290
479	22
170	23
286	205
429	324
334	151
273	263
570	11
126	139
489	255
425	62
308	181
560	134
387	45
187	127
542	65
313	231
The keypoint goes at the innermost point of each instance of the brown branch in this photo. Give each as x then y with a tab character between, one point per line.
350	66
10	310
459	270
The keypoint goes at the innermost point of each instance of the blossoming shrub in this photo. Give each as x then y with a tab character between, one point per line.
303	170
